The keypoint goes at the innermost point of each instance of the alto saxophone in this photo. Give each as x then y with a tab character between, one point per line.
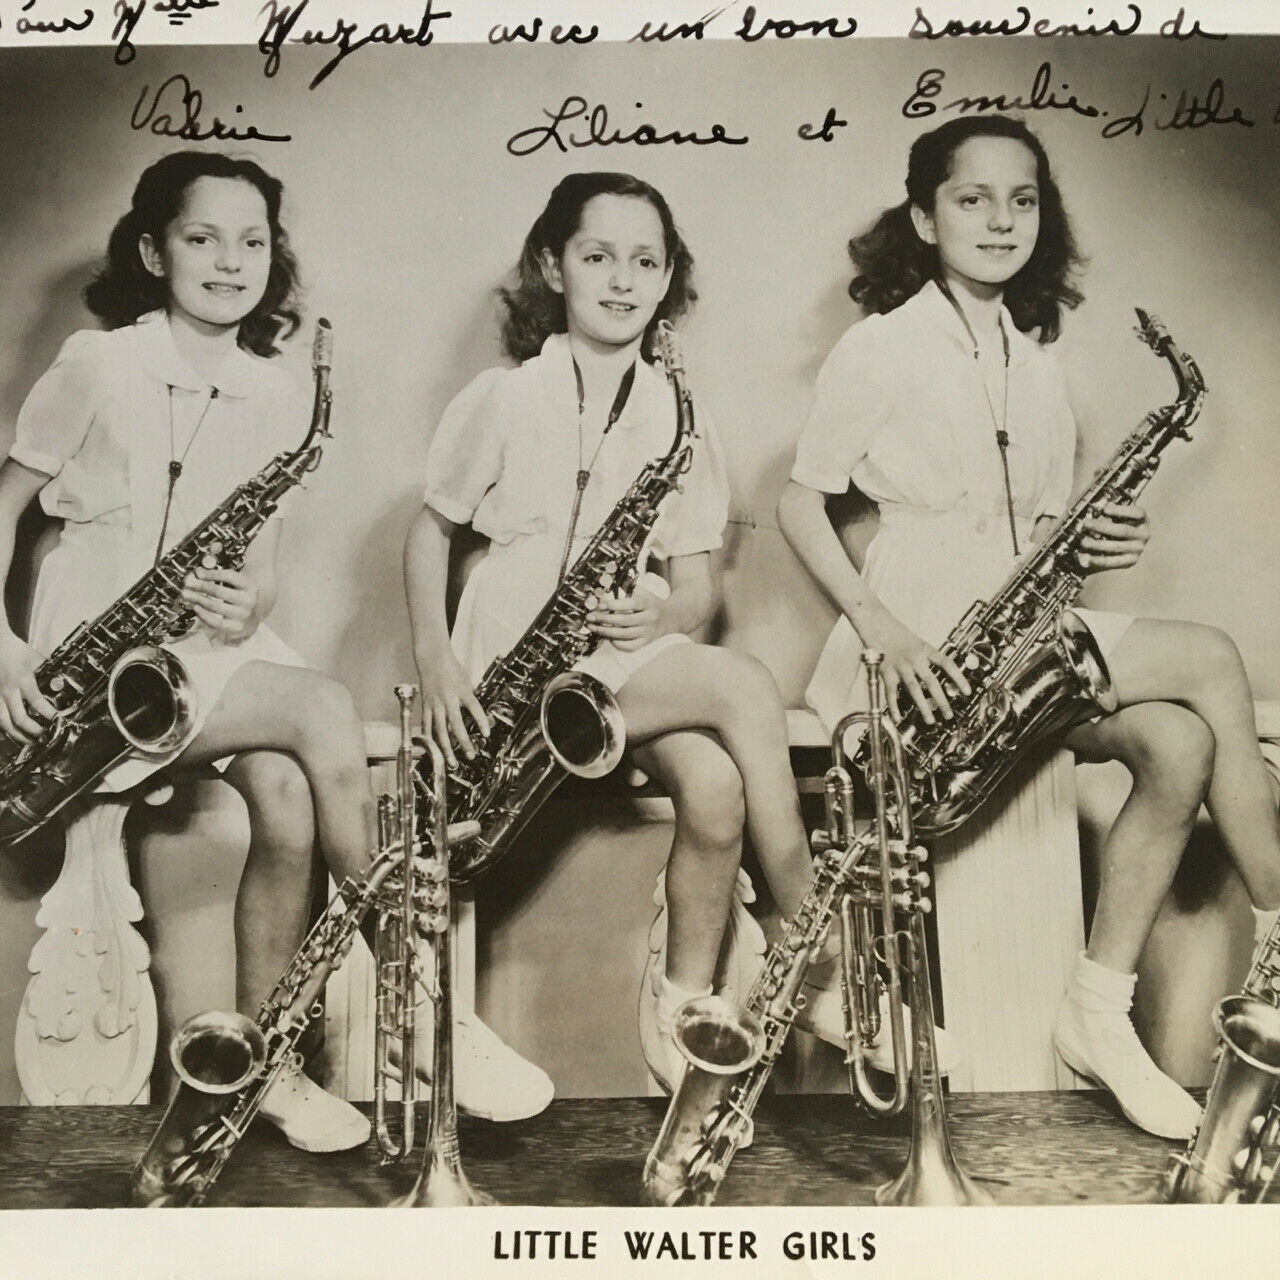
546	719
1233	1156
873	882
1032	664
113	688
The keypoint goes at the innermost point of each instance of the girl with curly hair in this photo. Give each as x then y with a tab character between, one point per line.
131	438
517	453
946	410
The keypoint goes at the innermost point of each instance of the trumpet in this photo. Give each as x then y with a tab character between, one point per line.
872	881
441	1182
871	939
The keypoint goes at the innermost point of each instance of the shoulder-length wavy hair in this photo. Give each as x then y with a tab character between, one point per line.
893	263
534	311
124	289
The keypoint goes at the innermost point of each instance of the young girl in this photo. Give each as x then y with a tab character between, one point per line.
600	267
912	406
131	438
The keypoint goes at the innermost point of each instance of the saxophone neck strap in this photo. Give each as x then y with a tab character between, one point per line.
1000	424
176	462
620	399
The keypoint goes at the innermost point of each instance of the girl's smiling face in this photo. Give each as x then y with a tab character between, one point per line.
216	254
986	215
613	273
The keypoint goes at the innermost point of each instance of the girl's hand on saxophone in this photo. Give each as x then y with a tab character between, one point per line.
22	705
909	663
446	694
629	621
225	601
1114	538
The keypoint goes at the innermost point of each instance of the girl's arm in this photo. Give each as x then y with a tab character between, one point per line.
446	691
19	694
632	621
908	661
232	603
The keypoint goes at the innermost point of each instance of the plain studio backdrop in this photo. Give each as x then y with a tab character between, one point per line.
406	210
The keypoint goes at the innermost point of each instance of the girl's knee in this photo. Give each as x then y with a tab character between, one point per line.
281	811
1171	747
745	684
1217	660
710	804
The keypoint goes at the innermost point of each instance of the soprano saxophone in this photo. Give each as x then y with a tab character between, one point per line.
1233	1156
113	687
873	881
547	719
1032	664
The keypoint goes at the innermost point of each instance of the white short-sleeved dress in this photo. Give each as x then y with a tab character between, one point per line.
98	425
504	458
900	411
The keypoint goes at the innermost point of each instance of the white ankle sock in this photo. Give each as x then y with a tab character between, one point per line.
1096	987
1263	922
671	997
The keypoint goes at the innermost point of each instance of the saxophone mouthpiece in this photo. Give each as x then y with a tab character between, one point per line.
669	347
1150	330
322	348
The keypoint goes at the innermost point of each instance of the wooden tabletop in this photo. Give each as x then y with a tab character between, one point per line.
1025	1148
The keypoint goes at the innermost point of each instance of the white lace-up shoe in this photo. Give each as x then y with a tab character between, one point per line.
310	1118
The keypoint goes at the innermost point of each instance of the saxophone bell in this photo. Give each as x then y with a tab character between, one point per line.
1235	1152
218	1052
151	701
582	725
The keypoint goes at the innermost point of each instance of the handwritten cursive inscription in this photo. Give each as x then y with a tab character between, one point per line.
1019	23
346	36
596	131
51	26
127	18
173	111
1043	97
786	29
1188	111
179	11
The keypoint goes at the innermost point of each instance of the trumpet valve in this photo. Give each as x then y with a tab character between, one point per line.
918	854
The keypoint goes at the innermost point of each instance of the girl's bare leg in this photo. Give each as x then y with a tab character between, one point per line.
1170	751
275	887
294	733
1200	668
691	686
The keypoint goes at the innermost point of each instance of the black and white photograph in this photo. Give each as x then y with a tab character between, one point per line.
671	618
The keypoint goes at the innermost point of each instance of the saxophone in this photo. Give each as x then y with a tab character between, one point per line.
1233	1156
873	880
1034	668
114	689
1032	663
547	719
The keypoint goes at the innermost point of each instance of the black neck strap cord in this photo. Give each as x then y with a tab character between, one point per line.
584	473
1001	425
175	462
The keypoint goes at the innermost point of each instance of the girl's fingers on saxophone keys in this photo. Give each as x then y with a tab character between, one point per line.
912	682
458	727
476	711
20	723
936	691
437	725
39	704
